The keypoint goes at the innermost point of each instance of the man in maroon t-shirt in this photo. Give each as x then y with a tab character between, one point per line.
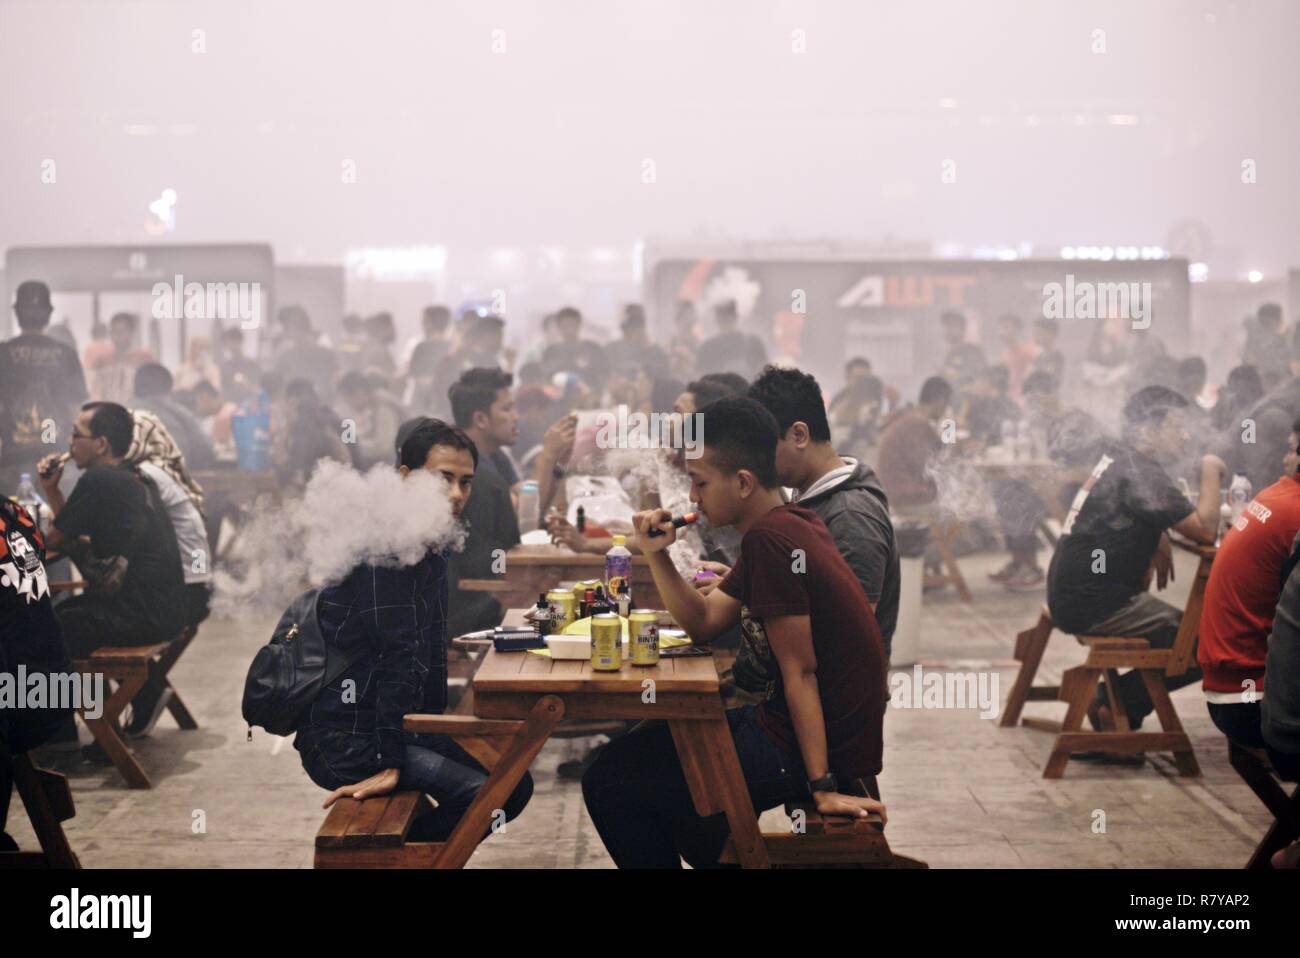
813	652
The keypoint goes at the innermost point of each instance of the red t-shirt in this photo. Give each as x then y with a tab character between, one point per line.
771	579
1241	594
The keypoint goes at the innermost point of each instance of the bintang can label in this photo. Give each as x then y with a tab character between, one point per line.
643	636
606	642
565	606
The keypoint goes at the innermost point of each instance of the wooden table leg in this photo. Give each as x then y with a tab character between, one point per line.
1030	645
509	769
44	816
108	733
179	712
712	769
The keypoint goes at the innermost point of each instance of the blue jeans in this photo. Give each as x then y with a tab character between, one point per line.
436	766
638	799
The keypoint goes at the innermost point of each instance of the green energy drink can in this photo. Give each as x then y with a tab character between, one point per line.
643	636
565	606
606	642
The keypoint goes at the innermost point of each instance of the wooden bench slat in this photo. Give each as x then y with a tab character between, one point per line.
336	823
370	811
402	810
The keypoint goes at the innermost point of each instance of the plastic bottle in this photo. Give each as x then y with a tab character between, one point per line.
29	499
1238	496
528	506
618	566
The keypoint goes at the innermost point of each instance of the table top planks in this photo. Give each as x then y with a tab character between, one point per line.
527	672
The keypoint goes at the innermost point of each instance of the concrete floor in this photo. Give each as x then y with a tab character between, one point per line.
960	791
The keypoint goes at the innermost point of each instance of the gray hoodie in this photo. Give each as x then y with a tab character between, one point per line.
852	503
1280	708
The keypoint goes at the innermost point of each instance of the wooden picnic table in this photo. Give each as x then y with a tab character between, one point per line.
532	569
539	691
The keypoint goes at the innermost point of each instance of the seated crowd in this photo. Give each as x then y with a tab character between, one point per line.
784	470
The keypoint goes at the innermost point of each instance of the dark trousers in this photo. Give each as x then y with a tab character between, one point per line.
1019	512
90	621
1240	722
640	803
1144	616
437	766
6	792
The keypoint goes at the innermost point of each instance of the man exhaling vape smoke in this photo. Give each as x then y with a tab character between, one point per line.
352	741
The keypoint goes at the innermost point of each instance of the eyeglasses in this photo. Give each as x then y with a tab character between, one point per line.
81	435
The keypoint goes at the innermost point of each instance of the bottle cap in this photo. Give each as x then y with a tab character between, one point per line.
620	540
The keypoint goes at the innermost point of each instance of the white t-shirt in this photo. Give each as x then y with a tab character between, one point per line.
191	537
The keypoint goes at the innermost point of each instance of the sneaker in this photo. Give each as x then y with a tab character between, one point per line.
1006	572
146	709
1024	579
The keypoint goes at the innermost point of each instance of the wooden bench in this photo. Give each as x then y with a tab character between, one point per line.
1255	772
372	833
1030	645
1106	656
829	841
48	801
127	668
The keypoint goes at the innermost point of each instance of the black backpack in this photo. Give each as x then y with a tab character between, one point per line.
289	672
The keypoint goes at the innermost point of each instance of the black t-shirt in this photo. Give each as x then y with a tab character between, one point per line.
40	379
30	635
489	515
123	517
1110	535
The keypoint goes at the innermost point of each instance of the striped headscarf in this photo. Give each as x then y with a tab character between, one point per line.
153	443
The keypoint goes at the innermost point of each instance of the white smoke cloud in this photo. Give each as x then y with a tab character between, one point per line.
344	519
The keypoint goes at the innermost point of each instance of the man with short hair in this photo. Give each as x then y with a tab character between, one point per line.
123	515
114	379
844	492
303	357
817	661
730	349
41	383
1113	541
352	739
964	359
635	347
1048	358
241	376
908	444
483	407
426	359
153	393
373	413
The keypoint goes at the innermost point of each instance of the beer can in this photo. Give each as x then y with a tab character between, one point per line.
565	605
643	636
606	642
580	588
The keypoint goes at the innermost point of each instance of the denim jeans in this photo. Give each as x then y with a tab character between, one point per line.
638	799
436	766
